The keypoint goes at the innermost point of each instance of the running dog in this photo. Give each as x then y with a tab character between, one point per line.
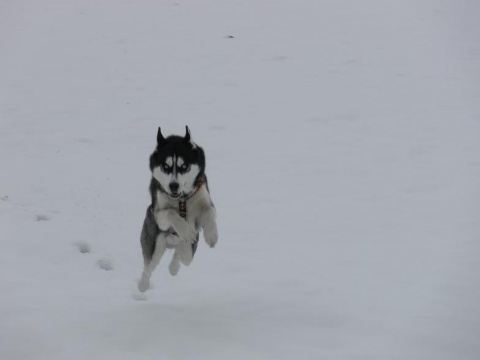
181	205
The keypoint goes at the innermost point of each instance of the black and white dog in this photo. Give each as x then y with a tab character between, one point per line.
180	208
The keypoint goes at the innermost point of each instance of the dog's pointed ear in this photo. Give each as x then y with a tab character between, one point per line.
160	138
187	138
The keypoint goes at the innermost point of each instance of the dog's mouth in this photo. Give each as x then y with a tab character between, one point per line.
175	195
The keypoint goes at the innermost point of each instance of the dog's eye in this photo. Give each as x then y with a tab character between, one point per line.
184	167
166	167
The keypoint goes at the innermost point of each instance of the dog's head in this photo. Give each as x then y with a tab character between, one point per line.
177	164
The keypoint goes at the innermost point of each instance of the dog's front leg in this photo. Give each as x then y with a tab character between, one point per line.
160	247
167	219
209	225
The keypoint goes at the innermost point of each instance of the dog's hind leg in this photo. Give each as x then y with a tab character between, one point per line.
149	267
174	264
183	254
148	237
153	246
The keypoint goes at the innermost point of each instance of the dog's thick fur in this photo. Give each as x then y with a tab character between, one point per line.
178	173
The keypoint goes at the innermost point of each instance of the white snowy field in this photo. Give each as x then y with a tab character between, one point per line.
342	142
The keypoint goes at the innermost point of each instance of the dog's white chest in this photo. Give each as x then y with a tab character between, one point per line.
190	210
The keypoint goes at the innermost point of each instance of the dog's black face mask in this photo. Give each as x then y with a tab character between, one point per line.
177	164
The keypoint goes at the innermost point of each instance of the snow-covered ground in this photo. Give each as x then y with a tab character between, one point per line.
342	142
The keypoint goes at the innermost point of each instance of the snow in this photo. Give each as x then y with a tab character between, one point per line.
342	154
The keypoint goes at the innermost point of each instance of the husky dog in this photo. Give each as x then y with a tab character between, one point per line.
180	208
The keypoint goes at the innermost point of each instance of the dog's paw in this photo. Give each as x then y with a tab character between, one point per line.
143	284
187	233
174	266
210	234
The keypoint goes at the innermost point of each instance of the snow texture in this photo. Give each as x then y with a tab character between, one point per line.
342	154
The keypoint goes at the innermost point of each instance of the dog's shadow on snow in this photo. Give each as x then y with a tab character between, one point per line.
171	327
216	327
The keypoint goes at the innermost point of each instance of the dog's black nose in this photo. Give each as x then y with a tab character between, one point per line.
173	186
